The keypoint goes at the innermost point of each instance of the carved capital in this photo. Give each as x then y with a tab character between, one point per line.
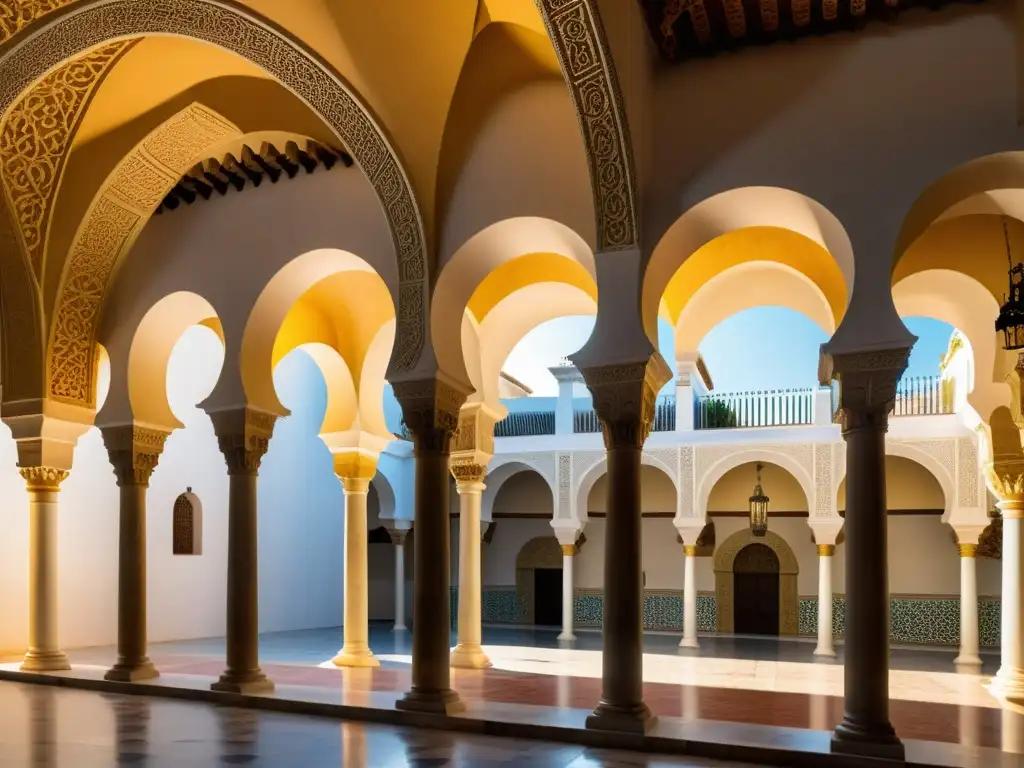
568	550
468	474
355	465
690	550
398	536
624	399
968	550
243	436
43	478
1005	478
867	386
475	435
430	409
826	550
134	451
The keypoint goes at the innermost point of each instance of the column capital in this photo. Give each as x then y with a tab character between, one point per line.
690	550
968	550
430	409
826	550
867	384
624	398
468	477
134	451
473	441
43	478
355	468
568	550
1005	478
243	436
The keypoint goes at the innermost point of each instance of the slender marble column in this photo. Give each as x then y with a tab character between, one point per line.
568	592
398	539
1009	681
431	411
866	398
969	660
134	452
825	640
356	628
469	653
243	436
689	598
44	651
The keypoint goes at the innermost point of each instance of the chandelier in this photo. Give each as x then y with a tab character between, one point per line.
1011	314
759	508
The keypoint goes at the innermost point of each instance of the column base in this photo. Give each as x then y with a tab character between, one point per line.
470	656
968	664
878	742
610	717
355	657
399	628
131	672
1008	684
828	653
251	682
566	637
431	702
45	661
689	642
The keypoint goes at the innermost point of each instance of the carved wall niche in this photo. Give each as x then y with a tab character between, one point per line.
187	524
541	552
725	559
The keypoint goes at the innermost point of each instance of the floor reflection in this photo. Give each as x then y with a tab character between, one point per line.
48	727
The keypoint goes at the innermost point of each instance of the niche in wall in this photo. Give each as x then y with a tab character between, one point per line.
187	524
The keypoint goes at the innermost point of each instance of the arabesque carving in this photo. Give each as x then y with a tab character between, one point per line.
243	436
134	452
22	347
624	398
574	27
36	139
121	208
87	24
15	15
43	478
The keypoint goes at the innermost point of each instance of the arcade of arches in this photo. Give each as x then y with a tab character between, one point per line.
250	234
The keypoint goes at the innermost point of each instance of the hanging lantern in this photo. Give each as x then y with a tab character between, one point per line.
1011	314
759	508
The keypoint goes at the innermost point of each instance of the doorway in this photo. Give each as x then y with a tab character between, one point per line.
756	586
547	592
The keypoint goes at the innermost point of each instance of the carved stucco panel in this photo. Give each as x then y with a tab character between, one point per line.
543	463
942	450
36	139
90	23
968	476
15	15
686	484
824	496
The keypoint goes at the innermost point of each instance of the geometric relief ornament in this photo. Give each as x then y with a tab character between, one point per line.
37	134
87	24
121	207
968	475
574	27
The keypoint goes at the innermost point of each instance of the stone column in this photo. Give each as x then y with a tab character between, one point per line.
398	539
689	597
431	412
355	470
134	452
868	384
568	592
624	398
825	641
243	435
969	659
44	651
1006	480
468	653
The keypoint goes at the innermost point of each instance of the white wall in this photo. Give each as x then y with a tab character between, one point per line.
499	557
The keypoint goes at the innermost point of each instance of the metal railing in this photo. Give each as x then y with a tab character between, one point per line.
526	423
923	396
766	408
586	421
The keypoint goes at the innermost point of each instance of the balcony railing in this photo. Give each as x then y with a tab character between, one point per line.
526	423
586	421
923	396
767	408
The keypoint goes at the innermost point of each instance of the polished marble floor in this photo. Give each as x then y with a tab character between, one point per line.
46	727
739	680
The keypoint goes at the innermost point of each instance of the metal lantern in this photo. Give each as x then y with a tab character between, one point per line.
759	508
1011	314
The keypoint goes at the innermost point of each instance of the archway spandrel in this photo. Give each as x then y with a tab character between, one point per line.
88	24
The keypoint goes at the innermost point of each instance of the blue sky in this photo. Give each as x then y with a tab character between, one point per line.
760	348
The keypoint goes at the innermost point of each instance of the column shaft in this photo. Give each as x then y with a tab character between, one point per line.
469	652
622	706
865	728
132	662
356	629
243	673
399	586
689	599
431	629
825	640
1010	679
44	652
568	592
969	659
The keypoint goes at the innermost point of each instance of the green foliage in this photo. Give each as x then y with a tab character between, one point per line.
718	414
